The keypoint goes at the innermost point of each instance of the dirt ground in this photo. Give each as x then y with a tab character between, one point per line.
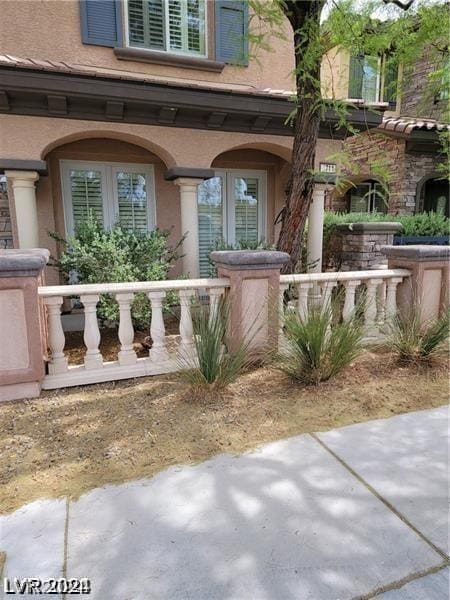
70	441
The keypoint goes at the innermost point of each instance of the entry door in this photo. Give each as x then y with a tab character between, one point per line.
231	209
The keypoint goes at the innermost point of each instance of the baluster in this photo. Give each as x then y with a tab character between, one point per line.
370	311
158	351
349	301
303	293
214	299
327	289
186	328
391	297
127	355
281	336
381	303
93	359
56	337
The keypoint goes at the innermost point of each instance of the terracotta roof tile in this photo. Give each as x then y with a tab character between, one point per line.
406	125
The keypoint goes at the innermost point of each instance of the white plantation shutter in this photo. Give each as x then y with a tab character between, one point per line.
111	191
132	200
171	25
86	194
210	220
246	194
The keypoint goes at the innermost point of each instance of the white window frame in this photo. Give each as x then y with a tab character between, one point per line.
109	190
378	87
228	208
167	50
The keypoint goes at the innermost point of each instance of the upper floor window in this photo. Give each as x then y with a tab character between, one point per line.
176	26
373	78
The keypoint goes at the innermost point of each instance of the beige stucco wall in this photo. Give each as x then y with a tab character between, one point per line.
50	29
25	137
334	73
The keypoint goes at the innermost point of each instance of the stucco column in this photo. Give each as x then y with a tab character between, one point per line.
24	191
189	224
254	295
315	229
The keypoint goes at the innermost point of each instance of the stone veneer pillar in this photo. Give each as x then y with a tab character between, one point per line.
21	347
427	290
189	224
24	197
357	246
253	295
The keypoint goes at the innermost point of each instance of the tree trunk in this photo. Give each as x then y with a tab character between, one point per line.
301	15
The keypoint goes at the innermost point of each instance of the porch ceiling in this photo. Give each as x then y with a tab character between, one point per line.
104	98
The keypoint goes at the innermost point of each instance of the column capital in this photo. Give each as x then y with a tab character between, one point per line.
22	177
188	181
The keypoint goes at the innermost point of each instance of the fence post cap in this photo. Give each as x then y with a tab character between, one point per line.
417	252
249	259
371	227
23	263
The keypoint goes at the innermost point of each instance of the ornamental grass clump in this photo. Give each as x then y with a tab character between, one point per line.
319	346
418	342
213	367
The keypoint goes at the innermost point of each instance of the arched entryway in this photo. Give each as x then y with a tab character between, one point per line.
433	195
237	207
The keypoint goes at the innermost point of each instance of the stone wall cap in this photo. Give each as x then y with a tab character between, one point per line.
417	252
371	227
23	263
250	259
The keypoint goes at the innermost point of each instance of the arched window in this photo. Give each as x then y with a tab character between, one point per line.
367	196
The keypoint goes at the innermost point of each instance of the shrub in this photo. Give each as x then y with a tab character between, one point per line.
416	342
216	367
96	255
318	347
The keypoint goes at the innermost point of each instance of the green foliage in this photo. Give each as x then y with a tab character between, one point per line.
416	342
318	347
96	255
422	224
217	367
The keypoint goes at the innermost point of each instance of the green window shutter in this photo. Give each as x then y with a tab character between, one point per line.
355	78
390	81
101	22
232	31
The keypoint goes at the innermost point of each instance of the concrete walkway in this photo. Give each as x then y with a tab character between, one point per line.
357	512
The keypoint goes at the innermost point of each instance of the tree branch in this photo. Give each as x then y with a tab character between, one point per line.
399	3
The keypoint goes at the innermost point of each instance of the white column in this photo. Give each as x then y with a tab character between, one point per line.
189	224
158	351
186	327
93	359
56	337
349	302
24	192
315	229
127	355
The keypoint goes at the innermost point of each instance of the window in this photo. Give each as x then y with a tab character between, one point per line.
112	192
444	93
232	209
368	196
373	78
176	26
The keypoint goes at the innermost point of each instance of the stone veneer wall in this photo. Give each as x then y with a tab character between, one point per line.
357	246
405	170
419	93
6	238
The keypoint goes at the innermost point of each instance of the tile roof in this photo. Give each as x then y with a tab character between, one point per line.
7	60
406	125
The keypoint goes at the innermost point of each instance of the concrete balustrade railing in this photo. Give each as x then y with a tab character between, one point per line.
379	286
160	359
30	316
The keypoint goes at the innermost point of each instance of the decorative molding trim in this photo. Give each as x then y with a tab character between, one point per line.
189	172
166	58
17	164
